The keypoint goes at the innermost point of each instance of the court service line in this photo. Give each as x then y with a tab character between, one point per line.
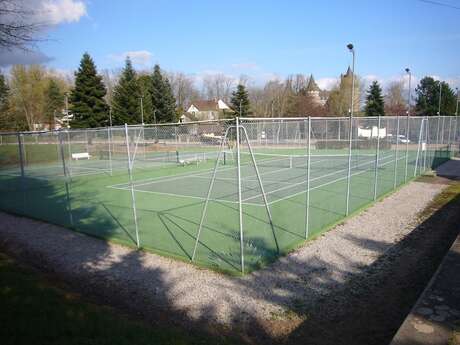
320	177
327	183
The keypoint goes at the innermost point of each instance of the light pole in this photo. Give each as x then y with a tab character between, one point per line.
440	97
456	108
350	129
407	124
352	50
409	95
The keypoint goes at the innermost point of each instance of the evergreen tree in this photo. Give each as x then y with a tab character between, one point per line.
145	86
87	98
163	102
170	102
126	101
240	101
428	98
375	105
54	102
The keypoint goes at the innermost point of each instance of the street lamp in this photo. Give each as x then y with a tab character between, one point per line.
408	97
352	50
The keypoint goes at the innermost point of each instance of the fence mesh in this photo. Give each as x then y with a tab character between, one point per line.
231	195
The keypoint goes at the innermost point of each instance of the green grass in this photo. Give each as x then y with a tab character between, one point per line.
36	311
168	223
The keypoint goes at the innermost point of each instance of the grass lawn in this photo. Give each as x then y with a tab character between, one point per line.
34	311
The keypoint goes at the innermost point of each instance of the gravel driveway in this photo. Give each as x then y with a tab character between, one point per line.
284	292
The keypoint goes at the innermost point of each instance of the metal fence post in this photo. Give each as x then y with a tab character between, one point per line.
426	144
377	154
262	189
307	211
418	148
407	148
130	174
350	133
21	154
109	137
66	177
211	184
396	154
240	206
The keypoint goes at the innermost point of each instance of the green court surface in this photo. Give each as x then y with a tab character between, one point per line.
170	190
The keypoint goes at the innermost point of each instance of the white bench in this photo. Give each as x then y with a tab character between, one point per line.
81	155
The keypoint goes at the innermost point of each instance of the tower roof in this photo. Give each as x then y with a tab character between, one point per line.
312	86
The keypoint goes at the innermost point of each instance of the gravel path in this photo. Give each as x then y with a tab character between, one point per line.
286	290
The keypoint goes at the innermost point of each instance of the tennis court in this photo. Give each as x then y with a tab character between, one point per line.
282	182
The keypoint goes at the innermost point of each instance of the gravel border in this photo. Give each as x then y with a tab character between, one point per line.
284	290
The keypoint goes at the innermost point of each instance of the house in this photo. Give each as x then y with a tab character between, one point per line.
206	110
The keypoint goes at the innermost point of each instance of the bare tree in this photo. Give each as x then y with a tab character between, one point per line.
395	103
17	28
218	86
184	89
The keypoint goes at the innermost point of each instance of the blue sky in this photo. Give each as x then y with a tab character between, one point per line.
264	38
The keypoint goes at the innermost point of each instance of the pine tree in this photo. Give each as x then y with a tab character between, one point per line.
87	98
163	102
54	102
170	102
240	101
375	105
126	101
145	85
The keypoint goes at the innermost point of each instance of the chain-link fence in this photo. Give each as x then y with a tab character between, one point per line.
232	194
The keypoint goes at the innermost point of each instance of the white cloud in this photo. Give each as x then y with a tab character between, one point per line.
138	57
55	12
327	83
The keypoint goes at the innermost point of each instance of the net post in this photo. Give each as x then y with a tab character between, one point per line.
407	148
418	147
377	154
130	174
66	177
350	134
208	196
307	202
396	154
240	205
109	137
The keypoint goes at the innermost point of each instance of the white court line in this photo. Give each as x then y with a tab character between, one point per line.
200	175
247	203
314	179
260	205
184	196
325	184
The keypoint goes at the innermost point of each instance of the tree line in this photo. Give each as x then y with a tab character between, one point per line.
32	95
